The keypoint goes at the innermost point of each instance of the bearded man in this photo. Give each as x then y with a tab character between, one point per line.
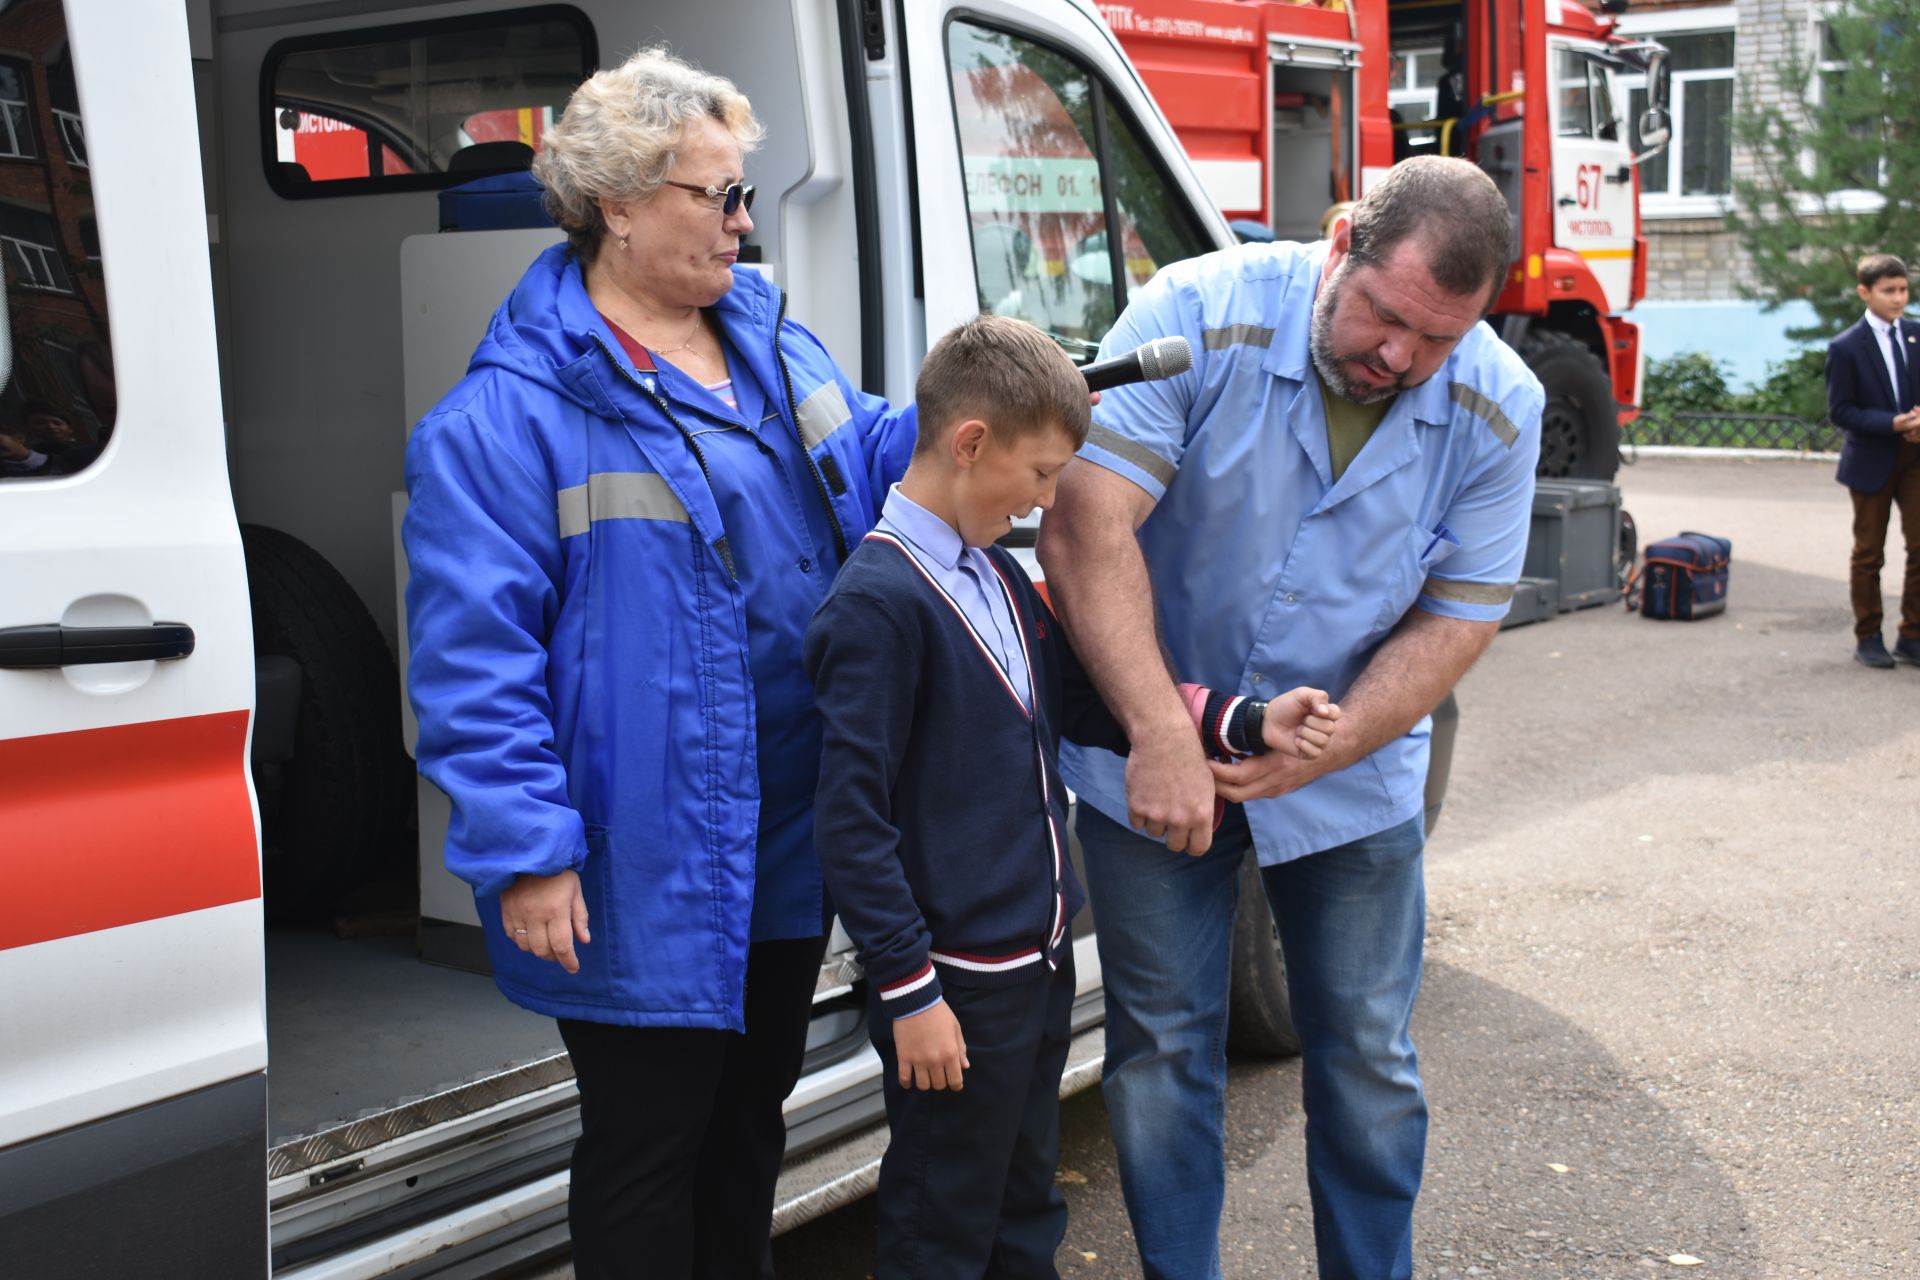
1336	495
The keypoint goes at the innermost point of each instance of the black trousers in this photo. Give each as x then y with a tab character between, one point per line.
966	1187
681	1134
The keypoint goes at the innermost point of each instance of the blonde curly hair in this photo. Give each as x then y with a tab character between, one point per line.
619	133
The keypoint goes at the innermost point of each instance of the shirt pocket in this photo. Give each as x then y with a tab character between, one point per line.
1421	550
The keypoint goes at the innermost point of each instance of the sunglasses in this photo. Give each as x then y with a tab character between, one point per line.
731	198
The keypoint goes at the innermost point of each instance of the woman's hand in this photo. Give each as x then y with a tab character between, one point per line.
931	1049
544	914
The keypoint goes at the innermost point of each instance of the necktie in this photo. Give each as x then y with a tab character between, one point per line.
1902	383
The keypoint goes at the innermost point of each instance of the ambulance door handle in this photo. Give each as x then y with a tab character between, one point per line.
52	645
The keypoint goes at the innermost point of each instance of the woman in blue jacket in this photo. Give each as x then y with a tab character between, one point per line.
620	523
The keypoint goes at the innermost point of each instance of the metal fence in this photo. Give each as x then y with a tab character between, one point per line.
1733	431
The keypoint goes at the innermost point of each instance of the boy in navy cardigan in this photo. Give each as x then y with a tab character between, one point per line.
945	687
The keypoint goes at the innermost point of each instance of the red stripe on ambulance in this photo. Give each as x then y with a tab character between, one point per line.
176	837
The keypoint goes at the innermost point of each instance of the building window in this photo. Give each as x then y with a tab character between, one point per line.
64	97
1830	69
1413	90
1699	160
33	249
16	111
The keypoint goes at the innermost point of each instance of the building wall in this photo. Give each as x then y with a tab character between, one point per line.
1691	256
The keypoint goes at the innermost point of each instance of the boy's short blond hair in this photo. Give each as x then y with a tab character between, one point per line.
1004	372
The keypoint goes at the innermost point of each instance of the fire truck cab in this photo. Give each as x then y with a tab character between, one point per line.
1290	109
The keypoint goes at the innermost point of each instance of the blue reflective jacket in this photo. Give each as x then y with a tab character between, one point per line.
578	631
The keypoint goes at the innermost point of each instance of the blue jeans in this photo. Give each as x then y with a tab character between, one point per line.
1351	921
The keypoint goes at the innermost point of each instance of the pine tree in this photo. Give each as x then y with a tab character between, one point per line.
1812	158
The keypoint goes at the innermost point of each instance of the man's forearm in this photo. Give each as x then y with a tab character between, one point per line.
1098	581
1406	679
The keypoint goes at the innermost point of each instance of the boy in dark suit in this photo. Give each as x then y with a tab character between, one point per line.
1872	395
945	686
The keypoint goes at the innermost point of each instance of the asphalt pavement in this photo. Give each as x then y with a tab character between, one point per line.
1672	1004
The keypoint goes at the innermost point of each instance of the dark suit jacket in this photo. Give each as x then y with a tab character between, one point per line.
1860	400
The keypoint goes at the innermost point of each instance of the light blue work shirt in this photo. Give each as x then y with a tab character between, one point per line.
1268	573
968	578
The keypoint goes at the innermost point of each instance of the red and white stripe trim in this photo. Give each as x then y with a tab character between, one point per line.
1217	731
1059	929
985	652
909	984
987	964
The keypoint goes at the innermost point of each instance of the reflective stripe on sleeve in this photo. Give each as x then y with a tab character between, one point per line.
1132	451
1468	592
823	413
1475	403
618	495
1234	335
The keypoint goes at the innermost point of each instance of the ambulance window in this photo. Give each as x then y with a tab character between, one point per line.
56	365
418	106
1049	159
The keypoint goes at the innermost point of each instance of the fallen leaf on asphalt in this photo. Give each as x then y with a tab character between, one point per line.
1683	1260
1559	1168
1069	1175
1090	1257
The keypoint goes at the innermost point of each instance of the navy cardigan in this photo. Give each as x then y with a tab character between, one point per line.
941	816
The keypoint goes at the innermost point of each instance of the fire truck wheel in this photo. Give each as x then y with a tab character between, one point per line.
1259	1014
333	815
1580	425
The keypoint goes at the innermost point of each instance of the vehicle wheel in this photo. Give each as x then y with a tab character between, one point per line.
1259	1014
335	814
1580	425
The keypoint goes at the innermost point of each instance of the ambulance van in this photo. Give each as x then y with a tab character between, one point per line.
245	1027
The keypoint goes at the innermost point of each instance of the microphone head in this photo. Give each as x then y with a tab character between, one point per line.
1165	357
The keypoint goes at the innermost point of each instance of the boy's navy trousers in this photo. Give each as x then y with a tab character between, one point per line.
966	1187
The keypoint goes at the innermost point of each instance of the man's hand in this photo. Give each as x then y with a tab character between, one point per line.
544	914
931	1050
1262	777
1169	792
1300	723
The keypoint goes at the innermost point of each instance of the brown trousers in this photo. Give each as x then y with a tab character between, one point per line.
1871	514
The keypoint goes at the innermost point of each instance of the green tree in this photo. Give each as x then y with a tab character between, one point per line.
1853	127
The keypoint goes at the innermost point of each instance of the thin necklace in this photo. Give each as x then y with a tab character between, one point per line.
688	344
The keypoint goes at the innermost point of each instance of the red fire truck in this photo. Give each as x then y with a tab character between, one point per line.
1288	109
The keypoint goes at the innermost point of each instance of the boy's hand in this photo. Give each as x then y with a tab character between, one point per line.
1300	723
931	1049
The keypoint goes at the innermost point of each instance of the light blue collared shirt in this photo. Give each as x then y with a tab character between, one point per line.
1268	572
967	576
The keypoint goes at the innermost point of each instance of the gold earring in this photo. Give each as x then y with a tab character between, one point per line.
623	244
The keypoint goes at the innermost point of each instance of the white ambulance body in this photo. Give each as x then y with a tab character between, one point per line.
228	293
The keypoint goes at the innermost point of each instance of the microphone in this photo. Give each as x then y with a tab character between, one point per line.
1161	358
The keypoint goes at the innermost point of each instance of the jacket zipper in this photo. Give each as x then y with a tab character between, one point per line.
720	545
793	407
